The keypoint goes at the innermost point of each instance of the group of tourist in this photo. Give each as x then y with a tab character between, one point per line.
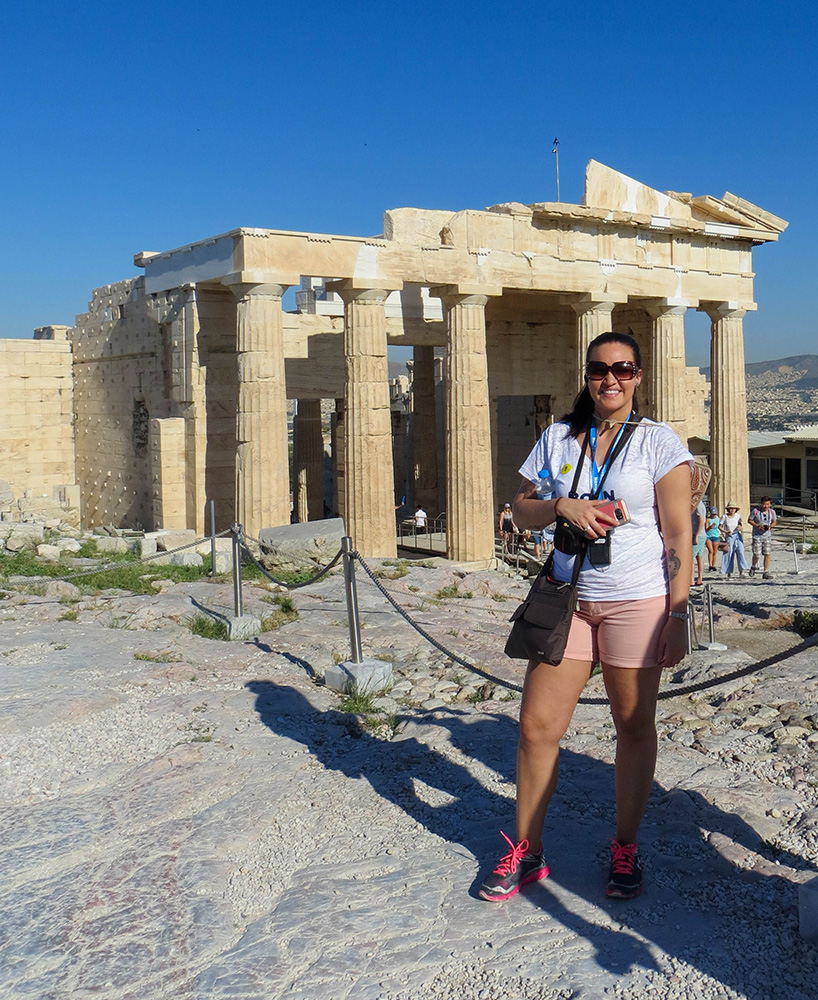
725	534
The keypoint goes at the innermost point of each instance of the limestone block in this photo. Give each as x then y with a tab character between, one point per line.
189	558
25	536
222	545
168	540
49	553
146	546
109	545
244	627
69	545
366	677
224	562
297	544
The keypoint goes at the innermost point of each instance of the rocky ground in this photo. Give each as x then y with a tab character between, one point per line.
190	818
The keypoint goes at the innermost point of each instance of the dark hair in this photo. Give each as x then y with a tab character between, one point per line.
765	499
580	416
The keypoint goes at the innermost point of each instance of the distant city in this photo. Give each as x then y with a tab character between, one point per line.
782	394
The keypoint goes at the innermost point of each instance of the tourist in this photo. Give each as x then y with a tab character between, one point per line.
421	518
762	519
732	533
507	527
713	533
632	611
697	519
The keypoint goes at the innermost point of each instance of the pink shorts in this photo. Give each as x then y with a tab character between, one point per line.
620	633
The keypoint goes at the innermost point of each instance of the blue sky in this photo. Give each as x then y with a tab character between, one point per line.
144	126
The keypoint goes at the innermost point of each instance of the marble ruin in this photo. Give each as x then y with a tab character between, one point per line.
173	388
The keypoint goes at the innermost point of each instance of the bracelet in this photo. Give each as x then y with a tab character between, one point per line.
556	504
681	615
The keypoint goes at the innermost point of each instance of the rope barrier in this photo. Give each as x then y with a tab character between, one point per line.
664	693
283	583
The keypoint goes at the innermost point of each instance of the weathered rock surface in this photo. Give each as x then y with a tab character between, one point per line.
183	817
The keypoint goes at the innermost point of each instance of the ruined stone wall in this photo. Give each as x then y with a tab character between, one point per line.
36	434
120	385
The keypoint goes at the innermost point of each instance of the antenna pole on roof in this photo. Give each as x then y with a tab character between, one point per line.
556	152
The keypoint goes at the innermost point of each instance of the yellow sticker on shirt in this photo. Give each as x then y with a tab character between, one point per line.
565	468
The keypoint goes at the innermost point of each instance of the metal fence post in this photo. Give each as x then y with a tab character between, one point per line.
795	557
212	537
690	627
708	593
352	600
236	529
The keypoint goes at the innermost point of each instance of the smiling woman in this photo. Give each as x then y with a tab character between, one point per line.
632	608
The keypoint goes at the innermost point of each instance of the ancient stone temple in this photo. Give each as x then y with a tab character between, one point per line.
182	376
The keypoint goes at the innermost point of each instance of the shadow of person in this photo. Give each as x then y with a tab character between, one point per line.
697	891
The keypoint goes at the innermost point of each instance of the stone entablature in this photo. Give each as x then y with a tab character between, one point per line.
512	293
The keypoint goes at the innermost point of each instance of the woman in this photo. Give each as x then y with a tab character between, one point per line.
732	531
507	528
631	615
713	537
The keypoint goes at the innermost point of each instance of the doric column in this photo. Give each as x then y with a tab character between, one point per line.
593	318
308	460
262	460
728	407
368	475
424	429
469	479
667	372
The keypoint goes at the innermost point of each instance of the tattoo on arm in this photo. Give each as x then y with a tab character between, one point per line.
674	564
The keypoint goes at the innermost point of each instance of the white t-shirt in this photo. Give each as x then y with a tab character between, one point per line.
637	569
420	518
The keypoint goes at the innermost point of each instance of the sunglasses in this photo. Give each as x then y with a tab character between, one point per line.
623	371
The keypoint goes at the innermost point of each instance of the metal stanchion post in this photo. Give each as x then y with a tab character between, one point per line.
352	600
689	627
803	529
236	529
708	593
212	537
795	557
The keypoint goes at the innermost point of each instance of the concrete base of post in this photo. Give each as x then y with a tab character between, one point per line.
243	627
366	677
808	909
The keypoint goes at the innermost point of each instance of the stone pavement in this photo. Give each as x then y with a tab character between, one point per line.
204	821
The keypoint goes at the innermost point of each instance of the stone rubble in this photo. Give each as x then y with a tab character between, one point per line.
186	817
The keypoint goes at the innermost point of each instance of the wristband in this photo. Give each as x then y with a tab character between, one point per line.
556	504
681	615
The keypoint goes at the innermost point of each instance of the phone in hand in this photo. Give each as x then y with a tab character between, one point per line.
616	509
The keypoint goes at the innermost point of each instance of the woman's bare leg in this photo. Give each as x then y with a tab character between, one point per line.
632	694
550	696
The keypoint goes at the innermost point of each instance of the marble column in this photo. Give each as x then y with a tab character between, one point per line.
667	374
469	478
593	318
368	476
308	460
424	429
728	408
262	454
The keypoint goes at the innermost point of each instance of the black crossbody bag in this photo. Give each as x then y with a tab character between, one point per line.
542	622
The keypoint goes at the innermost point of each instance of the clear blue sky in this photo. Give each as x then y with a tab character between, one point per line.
143	126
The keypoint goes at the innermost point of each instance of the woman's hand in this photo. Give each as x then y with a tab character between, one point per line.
583	514
672	643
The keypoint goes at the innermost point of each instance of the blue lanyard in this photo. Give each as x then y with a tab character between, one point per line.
598	475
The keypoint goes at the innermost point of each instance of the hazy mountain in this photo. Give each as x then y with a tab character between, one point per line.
799	371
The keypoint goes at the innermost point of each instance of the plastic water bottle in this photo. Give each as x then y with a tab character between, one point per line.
545	487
